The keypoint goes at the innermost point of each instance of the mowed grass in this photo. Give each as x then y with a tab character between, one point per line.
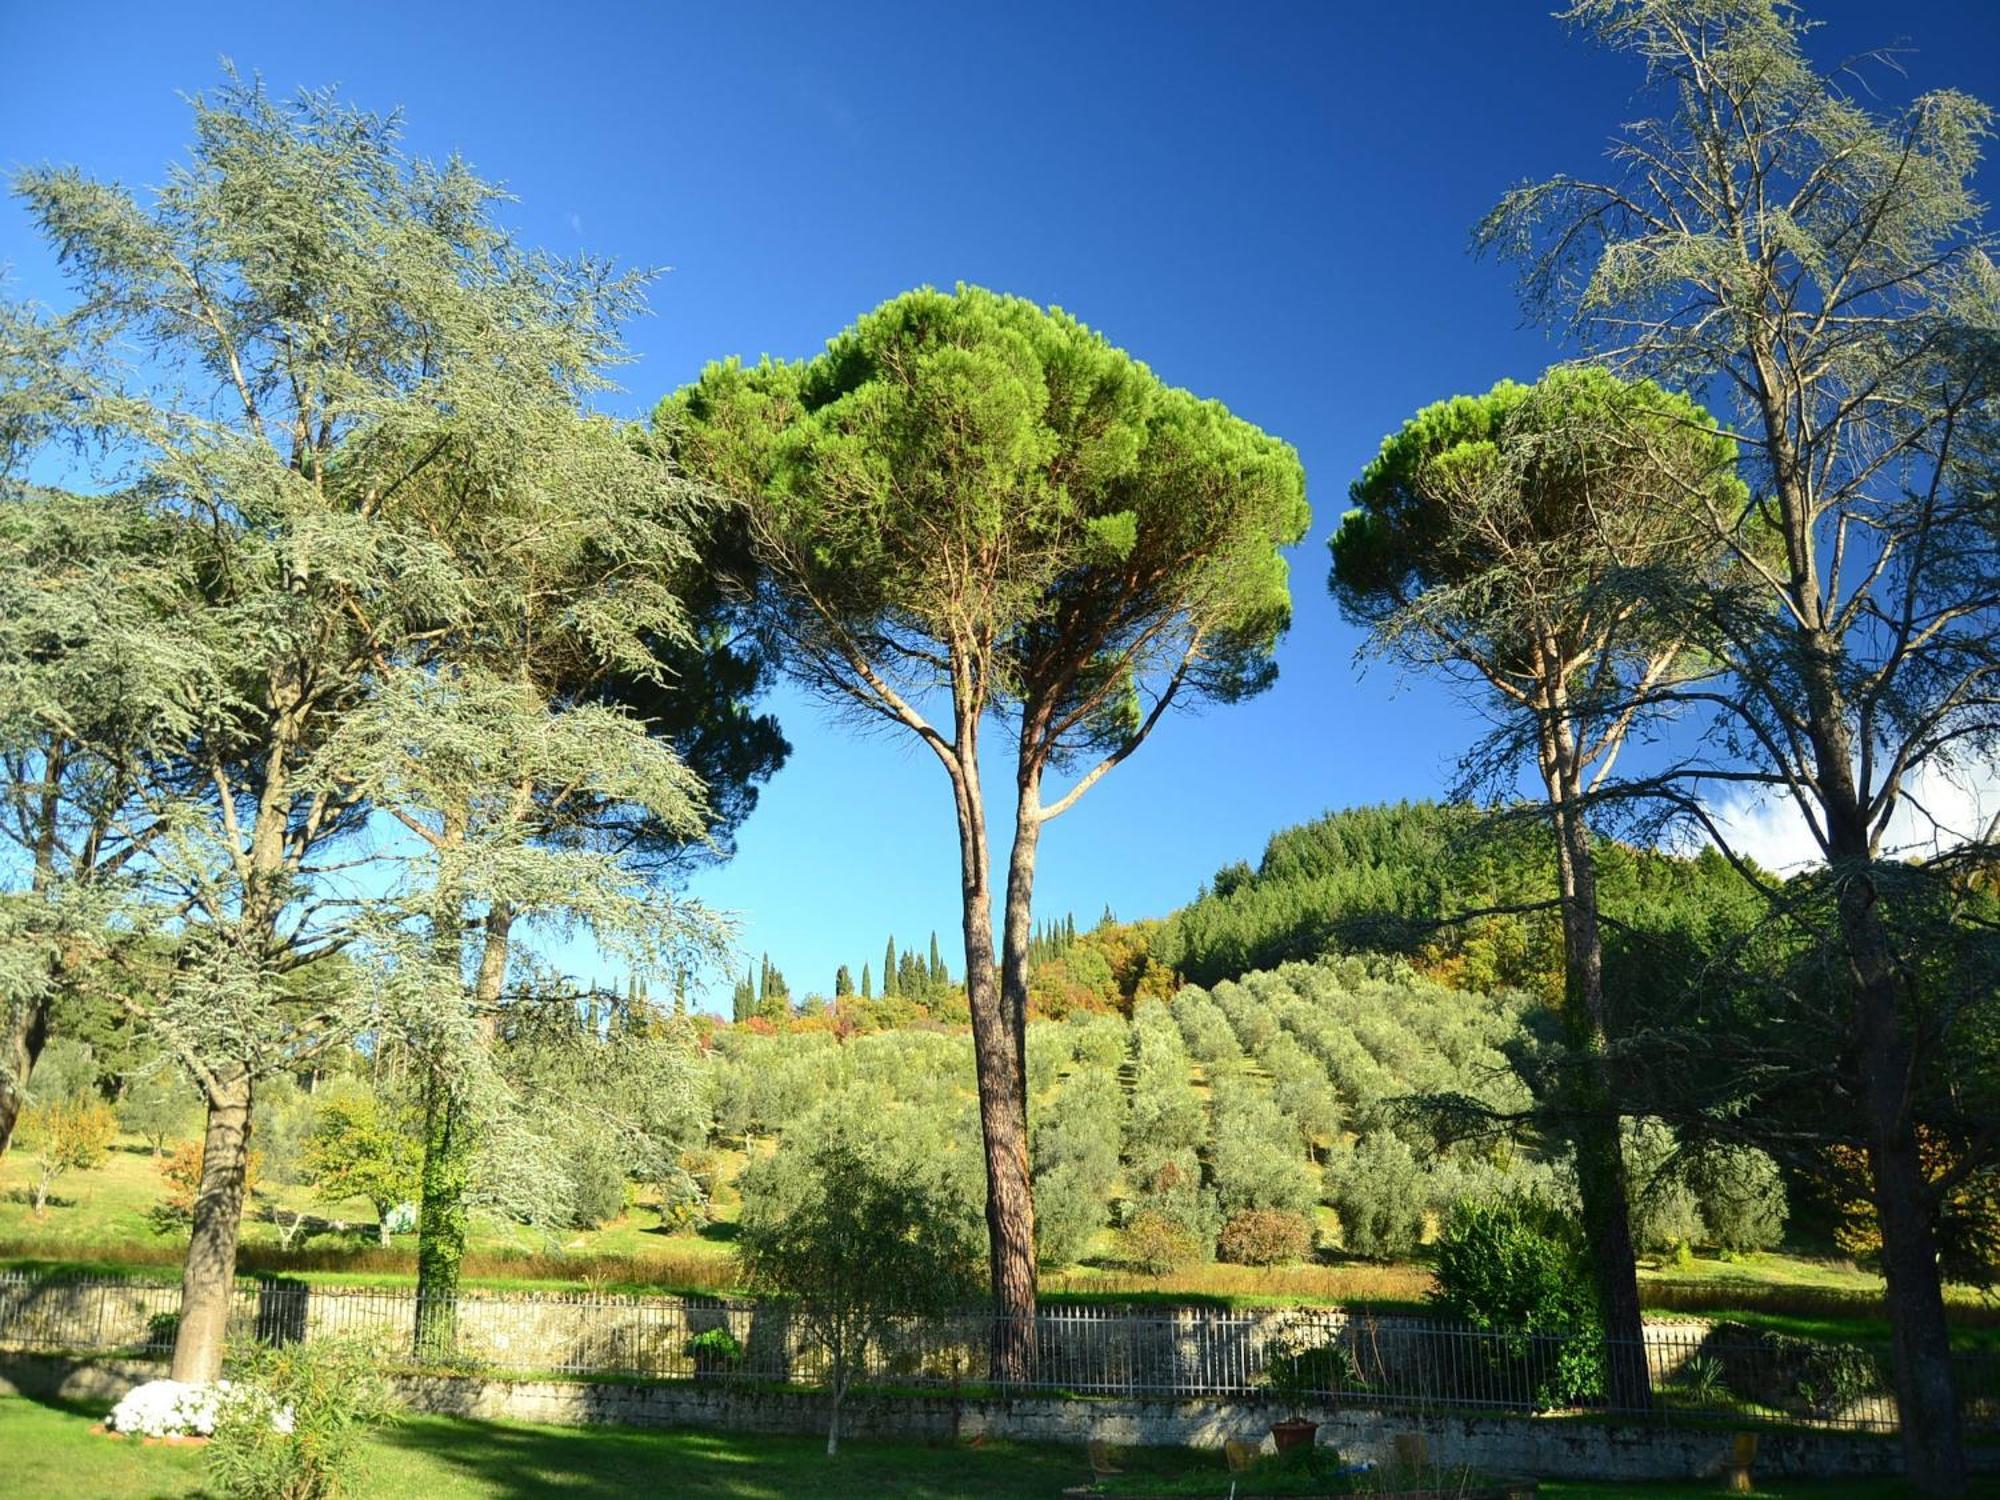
50	1450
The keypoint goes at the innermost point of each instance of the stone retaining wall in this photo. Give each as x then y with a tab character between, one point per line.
1550	1448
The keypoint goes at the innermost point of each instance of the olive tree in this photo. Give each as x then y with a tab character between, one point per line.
970	509
856	1244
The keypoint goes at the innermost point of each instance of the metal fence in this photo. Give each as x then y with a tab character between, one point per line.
1681	1372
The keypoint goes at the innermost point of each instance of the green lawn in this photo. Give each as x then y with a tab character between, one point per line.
50	1450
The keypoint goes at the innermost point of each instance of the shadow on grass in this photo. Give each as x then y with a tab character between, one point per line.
516	1462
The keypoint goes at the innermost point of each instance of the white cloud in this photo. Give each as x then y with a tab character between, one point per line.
1941	810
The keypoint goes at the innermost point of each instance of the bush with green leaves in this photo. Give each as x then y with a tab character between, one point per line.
1741	1194
1664	1210
1515	1270
597	1183
296	1417
1172	1192
1265	1237
1381	1194
1155	1243
359	1145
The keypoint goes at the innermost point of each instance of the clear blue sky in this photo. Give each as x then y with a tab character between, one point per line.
1270	204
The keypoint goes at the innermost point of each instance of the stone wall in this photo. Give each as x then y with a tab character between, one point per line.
1083	1349
1550	1448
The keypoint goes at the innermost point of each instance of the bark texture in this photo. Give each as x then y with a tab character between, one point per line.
208	1276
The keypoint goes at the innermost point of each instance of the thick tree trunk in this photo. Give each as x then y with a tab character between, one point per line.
21	1049
1018	926
1884	1062
1003	1112
208	1277
1920	1339
1591	1099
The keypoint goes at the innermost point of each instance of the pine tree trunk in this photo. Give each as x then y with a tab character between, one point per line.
1017	935
208	1277
1591	1101
1003	1114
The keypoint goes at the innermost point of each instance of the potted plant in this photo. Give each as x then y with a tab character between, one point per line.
715	1352
1305	1365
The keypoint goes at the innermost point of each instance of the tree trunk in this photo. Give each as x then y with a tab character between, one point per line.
208	1277
1003	1113
838	1389
1591	1099
28	1026
441	1218
1018	929
449	1134
1884	1062
27	1034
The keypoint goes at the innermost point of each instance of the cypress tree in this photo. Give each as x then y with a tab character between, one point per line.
891	980
843	983
866	992
937	965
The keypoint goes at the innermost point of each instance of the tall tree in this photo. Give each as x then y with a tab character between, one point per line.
890	984
354	385
971	506
843	983
1823	261
865	995
1512	537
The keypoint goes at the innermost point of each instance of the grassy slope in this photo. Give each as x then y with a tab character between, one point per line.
51	1451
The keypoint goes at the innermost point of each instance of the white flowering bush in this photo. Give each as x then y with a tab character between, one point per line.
170	1408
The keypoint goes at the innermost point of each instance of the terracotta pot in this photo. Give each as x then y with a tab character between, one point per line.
1293	1432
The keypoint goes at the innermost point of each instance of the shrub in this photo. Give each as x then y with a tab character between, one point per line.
1742	1197
1306	1362
1265	1237
1155	1243
1516	1270
295	1418
714	1350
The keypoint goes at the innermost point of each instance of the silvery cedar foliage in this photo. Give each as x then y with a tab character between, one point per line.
379	546
1816	263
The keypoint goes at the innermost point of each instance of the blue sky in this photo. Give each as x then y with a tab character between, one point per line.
1269	204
